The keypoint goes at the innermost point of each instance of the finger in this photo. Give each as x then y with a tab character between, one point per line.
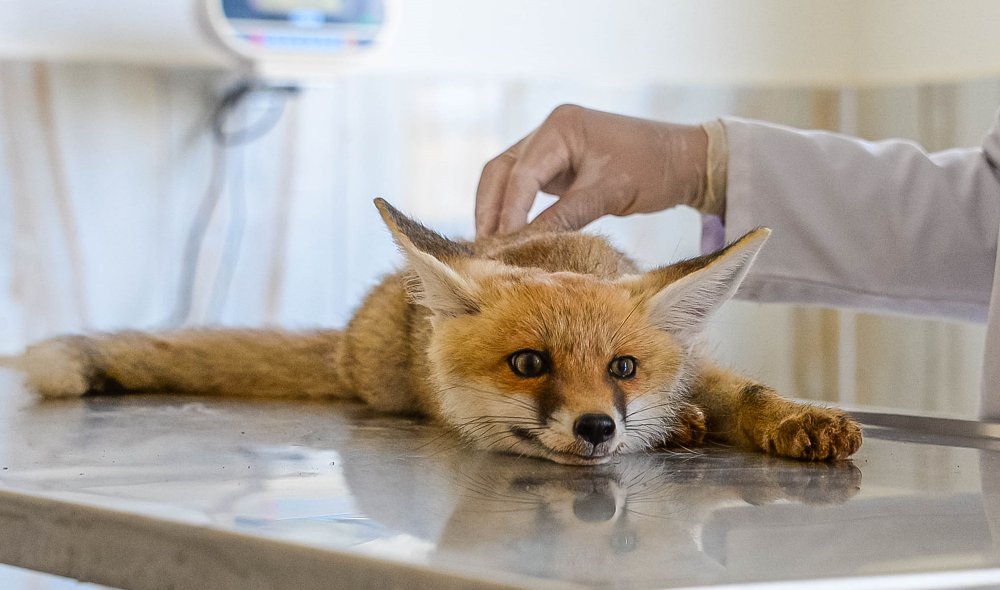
489	193
571	212
545	157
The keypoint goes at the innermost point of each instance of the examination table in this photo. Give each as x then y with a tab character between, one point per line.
154	491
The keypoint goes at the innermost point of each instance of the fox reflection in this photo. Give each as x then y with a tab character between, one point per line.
648	513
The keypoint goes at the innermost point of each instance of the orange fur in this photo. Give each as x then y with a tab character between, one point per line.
440	337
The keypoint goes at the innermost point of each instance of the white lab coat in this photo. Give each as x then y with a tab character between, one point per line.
871	225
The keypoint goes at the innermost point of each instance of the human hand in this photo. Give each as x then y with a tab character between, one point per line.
597	164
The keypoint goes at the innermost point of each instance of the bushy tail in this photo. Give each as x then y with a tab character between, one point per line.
205	361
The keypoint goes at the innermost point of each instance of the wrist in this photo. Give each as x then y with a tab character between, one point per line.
703	163
685	170
716	169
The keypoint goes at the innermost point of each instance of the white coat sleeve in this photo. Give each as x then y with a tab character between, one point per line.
868	225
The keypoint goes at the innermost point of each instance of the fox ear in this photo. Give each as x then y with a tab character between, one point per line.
436	284
682	296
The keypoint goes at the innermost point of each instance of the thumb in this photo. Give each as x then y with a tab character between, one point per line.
571	212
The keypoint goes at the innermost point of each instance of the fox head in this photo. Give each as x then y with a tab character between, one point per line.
567	366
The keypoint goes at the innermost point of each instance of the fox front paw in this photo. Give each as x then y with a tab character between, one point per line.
690	428
814	434
61	367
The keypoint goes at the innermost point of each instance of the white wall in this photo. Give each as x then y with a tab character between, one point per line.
691	42
103	167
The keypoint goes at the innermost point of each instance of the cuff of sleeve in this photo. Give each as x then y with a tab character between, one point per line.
713	206
714	201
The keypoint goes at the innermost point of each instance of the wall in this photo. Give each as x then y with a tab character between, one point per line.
103	169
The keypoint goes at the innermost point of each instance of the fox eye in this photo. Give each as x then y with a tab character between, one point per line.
528	363
622	367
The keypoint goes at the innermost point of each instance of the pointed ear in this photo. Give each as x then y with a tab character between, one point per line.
682	296
436	284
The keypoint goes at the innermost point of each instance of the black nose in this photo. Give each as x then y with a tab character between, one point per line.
594	428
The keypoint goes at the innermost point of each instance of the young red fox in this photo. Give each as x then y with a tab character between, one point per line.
546	344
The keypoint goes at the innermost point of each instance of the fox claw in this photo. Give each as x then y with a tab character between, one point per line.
814	434
690	428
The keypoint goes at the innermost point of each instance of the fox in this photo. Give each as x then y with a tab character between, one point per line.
542	343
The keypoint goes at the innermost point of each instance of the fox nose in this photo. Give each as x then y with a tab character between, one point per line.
594	428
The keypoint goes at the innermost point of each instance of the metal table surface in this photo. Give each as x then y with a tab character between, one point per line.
164	492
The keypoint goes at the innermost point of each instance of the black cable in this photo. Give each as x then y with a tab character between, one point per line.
223	139
196	235
233	97
234	239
